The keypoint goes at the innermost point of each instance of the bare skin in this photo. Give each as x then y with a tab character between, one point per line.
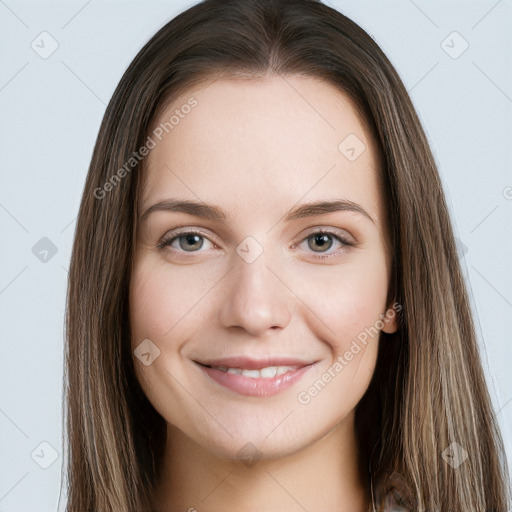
257	149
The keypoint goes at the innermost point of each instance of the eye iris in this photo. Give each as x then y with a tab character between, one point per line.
320	238
193	240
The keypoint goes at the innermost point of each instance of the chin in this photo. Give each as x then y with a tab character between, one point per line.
254	439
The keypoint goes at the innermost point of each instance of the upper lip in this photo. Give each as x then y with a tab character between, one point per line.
248	363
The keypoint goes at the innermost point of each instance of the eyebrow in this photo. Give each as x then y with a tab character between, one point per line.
214	213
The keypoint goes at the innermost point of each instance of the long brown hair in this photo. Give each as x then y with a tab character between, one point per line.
428	391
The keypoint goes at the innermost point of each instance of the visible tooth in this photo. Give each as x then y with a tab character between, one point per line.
269	372
284	369
266	373
251	373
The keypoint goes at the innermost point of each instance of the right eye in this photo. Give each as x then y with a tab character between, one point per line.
185	241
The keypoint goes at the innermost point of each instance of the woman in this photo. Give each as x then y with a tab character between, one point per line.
218	358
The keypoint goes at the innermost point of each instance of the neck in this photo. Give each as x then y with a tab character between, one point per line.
325	475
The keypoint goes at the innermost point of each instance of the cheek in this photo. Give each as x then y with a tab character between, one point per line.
165	308
170	307
163	303
347	300
348	305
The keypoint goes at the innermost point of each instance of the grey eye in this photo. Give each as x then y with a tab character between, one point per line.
323	241
190	241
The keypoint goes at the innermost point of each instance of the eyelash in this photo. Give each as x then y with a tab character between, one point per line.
166	241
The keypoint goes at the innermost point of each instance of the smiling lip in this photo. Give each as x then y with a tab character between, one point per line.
255	386
247	363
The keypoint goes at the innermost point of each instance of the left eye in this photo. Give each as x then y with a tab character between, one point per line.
322	241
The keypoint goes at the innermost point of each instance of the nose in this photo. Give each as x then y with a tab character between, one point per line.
255	299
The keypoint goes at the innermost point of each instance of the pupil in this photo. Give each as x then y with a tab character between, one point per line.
192	240
320	239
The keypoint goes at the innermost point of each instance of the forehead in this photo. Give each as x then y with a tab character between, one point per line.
262	143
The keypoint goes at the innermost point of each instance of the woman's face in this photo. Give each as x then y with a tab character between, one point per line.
254	284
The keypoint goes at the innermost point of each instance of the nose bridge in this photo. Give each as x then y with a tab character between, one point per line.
256	300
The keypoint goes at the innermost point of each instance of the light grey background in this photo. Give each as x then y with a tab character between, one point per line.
51	109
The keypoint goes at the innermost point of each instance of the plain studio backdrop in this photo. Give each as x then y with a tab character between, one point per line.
60	63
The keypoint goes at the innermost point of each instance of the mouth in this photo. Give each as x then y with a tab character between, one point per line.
255	378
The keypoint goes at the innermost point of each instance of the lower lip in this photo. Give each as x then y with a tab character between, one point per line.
255	387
